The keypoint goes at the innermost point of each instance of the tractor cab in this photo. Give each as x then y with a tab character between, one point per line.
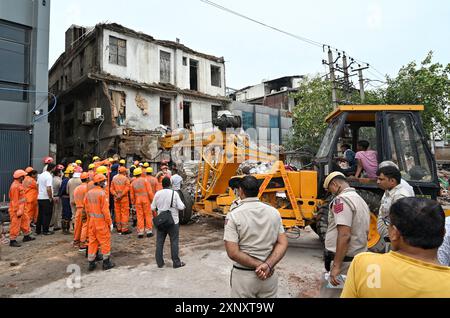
395	132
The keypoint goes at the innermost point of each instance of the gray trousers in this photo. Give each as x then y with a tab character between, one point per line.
57	214
245	284
174	235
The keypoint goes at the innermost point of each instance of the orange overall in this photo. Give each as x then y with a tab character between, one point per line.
18	218
142	197
31	195
80	216
99	218
120	187
156	186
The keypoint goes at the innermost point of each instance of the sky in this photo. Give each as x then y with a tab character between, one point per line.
387	34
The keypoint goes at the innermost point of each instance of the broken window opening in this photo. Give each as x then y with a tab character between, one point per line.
193	75
184	61
119	106
117	51
215	76
164	112
215	110
82	63
164	66
187	115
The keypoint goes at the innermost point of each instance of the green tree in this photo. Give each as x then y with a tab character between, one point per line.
426	84
314	104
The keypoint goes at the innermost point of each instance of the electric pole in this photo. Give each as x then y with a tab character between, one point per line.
361	81
331	63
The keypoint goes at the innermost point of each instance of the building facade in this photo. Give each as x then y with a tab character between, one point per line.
116	87
266	108
24	98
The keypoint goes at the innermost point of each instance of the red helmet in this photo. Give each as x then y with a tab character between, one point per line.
48	160
99	178
19	174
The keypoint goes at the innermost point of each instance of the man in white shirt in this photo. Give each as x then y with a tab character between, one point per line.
176	179
389	179
404	183
168	200
45	200
444	250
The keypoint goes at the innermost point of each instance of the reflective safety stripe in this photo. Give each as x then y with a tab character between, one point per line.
95	215
141	193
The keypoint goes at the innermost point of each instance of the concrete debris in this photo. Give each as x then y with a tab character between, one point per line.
142	104
189	171
254	167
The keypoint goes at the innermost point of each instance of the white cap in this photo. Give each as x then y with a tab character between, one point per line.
330	177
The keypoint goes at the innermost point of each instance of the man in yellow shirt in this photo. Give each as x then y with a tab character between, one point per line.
411	270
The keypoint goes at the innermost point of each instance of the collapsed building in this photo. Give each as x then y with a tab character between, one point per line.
119	90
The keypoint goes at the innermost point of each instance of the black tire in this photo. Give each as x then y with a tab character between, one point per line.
320	226
373	200
186	214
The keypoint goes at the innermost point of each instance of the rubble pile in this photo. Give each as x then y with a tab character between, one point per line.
189	171
254	167
444	181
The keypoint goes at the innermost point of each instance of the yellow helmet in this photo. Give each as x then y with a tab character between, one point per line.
146	165
91	166
149	170
137	172
69	170
96	158
330	178
122	162
102	170
78	162
110	159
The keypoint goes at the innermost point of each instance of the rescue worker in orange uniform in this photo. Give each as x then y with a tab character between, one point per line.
91	171
100	223
156	186
120	187
80	215
142	197
31	194
19	220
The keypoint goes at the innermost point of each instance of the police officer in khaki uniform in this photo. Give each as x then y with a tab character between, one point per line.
255	240
348	229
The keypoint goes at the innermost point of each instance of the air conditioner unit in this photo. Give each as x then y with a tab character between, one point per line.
96	113
87	118
284	88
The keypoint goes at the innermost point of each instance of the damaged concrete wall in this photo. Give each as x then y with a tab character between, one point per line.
135	117
143	64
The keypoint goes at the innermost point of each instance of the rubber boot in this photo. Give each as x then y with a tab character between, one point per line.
126	232
28	238
150	234
14	243
92	266
108	264
98	257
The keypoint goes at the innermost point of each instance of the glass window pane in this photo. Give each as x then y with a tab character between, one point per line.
14	95
164	67
248	120
328	139
13	62
14	33
408	149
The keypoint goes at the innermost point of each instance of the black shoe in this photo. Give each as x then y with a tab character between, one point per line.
56	229
179	265
14	243
108	264
140	236
82	249
28	238
98	258
38	233
127	232
48	233
149	234
161	266
92	266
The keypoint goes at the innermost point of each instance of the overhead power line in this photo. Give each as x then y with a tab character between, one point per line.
297	37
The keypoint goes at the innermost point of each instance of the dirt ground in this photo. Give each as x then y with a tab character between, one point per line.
42	268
